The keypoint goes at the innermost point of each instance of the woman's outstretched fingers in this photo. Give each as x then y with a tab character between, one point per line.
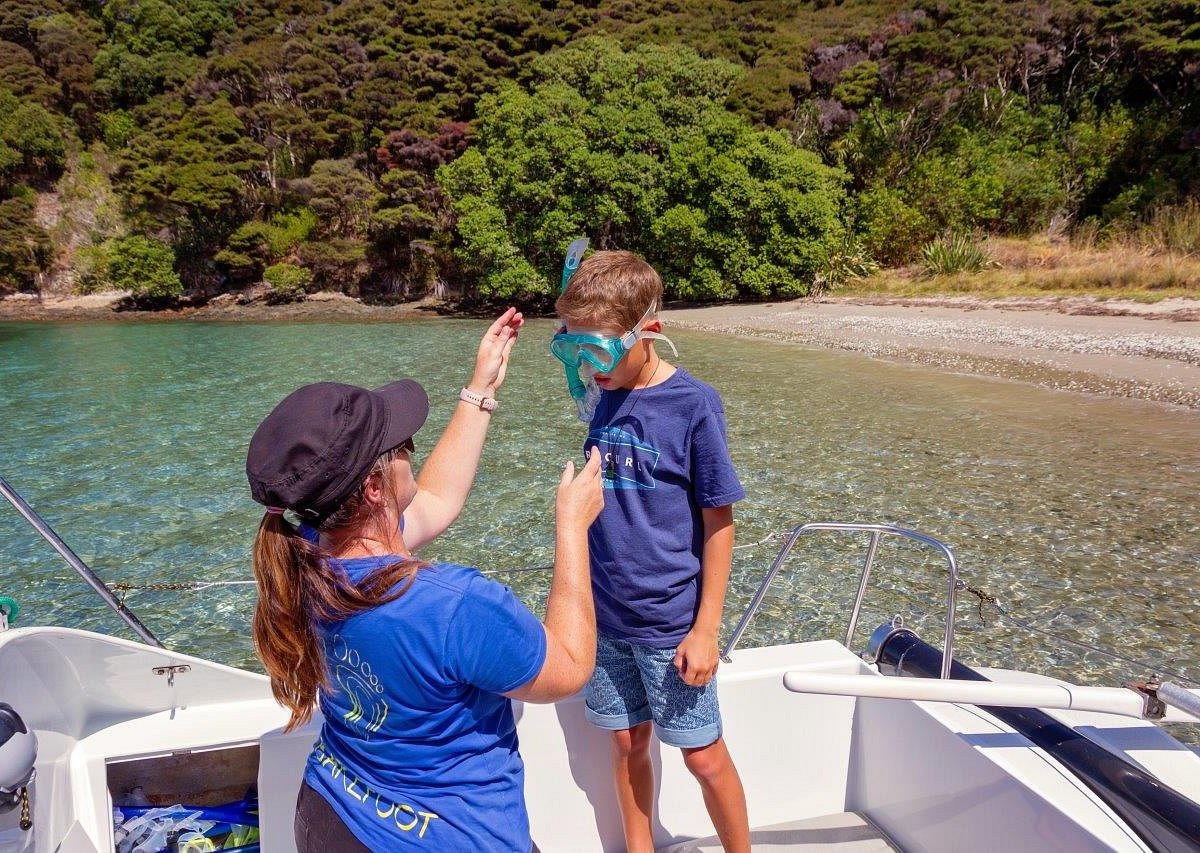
491	363
501	322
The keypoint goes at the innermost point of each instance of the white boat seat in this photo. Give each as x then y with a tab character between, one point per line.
847	832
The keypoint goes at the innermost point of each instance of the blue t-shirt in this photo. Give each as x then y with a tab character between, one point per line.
665	457
418	749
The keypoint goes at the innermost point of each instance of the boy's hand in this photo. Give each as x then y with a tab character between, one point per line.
697	658
491	363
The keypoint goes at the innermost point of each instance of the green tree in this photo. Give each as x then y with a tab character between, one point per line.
636	149
24	246
154	45
191	169
66	47
342	196
31	140
144	267
288	282
256	245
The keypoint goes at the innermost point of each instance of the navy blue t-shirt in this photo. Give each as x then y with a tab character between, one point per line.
418	749
665	456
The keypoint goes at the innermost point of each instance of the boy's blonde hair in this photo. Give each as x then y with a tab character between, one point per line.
610	289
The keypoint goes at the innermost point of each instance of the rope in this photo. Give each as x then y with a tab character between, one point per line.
987	598
779	534
518	569
983	597
549	567
122	586
1157	669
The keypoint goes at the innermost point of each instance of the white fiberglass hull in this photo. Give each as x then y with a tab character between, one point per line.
930	776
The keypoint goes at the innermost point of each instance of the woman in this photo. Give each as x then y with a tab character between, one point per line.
413	664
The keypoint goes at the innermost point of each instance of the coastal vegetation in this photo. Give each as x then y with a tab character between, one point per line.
392	149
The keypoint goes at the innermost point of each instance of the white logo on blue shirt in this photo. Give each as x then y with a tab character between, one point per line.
627	462
361	686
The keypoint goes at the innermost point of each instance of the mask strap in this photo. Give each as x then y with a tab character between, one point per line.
631	337
661	337
637	333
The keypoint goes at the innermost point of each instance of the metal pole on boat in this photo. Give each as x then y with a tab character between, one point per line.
27	512
1180	697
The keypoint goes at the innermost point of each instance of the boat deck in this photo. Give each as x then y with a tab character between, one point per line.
847	832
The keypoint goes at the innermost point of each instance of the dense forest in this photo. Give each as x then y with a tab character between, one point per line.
391	149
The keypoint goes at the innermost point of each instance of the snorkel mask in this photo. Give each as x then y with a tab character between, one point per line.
585	353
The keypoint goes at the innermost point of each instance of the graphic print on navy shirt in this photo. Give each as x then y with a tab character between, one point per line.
627	462
665	459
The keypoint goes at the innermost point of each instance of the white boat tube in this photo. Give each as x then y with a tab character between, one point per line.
1107	700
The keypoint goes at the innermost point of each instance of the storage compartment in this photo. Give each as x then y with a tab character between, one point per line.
192	802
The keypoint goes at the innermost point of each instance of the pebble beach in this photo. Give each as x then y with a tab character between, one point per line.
1122	349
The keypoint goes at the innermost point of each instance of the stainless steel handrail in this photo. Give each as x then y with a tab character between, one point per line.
877	531
27	512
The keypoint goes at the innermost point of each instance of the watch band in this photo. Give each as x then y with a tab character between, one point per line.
488	404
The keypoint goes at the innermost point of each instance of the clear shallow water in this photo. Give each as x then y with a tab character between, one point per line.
1080	514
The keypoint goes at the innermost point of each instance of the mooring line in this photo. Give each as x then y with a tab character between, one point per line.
983	598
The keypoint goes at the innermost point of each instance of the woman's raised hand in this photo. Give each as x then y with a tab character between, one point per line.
580	496
491	364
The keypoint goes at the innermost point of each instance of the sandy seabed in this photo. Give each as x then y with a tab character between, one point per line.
1081	344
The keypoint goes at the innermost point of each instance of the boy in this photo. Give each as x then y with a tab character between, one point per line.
662	546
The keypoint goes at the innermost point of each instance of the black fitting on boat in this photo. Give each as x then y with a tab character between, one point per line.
879	638
18	750
1162	817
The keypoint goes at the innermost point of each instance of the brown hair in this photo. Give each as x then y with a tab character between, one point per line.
297	588
610	288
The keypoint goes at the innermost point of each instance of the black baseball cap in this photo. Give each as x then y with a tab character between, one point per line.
318	445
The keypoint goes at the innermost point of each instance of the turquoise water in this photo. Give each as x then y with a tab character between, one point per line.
1079	513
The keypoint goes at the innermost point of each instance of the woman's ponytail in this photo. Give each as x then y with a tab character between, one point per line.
283	630
296	590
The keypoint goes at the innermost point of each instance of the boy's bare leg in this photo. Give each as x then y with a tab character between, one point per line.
723	794
635	785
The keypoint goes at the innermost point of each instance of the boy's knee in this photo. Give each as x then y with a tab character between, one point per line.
707	763
627	742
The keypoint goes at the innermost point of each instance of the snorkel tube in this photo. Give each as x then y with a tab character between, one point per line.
571	261
584	395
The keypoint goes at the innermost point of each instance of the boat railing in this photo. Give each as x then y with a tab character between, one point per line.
877	531
81	568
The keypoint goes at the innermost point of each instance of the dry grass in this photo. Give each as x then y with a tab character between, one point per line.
1131	268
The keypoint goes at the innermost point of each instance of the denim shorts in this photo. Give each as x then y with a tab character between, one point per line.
633	684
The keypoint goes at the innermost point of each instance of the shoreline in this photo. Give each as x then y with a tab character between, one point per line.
105	307
1115	348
